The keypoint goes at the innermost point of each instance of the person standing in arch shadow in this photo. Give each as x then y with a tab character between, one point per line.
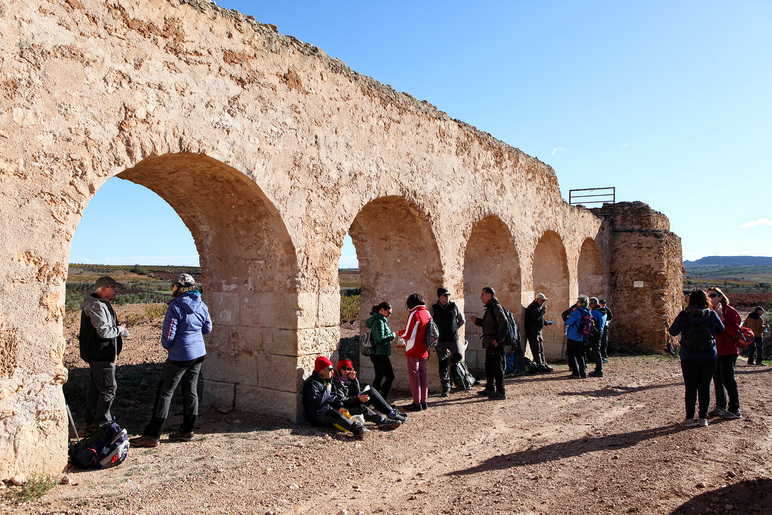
449	319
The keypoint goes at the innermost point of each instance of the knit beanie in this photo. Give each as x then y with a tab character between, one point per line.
321	363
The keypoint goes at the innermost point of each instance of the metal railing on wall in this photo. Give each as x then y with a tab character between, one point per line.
592	196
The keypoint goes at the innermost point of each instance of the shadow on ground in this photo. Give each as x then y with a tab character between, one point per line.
754	496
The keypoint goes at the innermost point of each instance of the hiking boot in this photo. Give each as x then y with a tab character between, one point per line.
176	436
445	393
750	362
688	422
497	396
731	415
547	367
597	373
385	424
413	407
716	412
359	430
396	415
702	422
424	406
486	391
144	441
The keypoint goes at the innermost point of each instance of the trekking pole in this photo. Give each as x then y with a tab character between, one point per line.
72	422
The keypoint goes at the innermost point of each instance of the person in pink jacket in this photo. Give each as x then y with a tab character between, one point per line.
724	381
416	351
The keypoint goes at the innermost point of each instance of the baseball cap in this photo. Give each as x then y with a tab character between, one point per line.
541	296
106	280
184	280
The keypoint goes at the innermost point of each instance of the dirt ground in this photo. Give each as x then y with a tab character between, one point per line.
555	445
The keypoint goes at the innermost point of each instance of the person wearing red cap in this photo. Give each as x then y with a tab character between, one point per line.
321	402
358	401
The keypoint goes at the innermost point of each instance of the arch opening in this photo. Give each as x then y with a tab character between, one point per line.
398	255
550	277
490	259
589	270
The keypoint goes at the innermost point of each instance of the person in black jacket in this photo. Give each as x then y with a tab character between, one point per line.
101	341
534	323
494	327
604	339
346	385
448	318
322	404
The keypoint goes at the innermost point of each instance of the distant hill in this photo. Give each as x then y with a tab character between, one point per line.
722	261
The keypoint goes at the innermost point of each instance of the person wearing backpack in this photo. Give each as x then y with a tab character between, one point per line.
724	380
577	331
381	336
697	326
416	351
494	332
596	336
449	319
755	324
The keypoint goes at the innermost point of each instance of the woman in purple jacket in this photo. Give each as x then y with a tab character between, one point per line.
187	321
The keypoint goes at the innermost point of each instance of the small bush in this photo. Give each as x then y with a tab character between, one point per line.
155	311
36	487
349	307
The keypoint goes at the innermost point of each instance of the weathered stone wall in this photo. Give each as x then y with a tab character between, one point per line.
270	151
646	275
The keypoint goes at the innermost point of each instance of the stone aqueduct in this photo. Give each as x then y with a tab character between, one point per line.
271	151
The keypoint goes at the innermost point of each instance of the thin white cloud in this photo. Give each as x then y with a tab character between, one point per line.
625	145
558	149
757	223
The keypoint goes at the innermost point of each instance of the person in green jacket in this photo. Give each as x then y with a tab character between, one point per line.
382	336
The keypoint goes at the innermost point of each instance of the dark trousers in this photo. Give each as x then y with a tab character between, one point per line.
758	347
334	417
377	402
172	374
604	343
597	356
101	392
725	383
448	353
536	343
494	367
697	375
576	351
384	374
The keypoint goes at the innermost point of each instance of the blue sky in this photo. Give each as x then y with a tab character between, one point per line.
667	101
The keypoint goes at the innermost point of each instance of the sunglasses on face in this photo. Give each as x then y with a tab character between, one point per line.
446	294
344	369
714	295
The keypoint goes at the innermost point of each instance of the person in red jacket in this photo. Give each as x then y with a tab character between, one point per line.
724	381
416	352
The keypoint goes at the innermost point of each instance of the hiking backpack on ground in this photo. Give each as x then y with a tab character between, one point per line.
462	378
366	343
106	447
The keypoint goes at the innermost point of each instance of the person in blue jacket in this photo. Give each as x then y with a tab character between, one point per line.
575	340
187	321
596	337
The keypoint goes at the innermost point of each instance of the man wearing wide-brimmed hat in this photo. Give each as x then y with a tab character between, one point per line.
100	343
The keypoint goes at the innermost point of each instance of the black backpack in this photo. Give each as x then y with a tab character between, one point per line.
699	335
366	343
513	332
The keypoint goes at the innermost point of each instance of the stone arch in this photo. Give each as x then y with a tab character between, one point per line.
589	270
398	255
490	259
249	269
550	277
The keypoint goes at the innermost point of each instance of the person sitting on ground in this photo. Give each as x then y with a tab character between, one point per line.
358	402
322	405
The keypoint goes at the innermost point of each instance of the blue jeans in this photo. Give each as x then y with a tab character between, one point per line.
697	376
172	373
758	346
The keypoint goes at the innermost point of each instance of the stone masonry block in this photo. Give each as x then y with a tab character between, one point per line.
219	394
278	372
272	402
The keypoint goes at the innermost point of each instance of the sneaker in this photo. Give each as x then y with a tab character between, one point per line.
396	415
445	393
385	424
485	392
750	362
605	360
547	367
702	422
359	430
716	412
731	415
597	373
176	436
497	396
413	407
144	441
424	406
688	422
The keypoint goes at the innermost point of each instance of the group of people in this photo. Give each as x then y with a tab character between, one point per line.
101	340
586	335
709	328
